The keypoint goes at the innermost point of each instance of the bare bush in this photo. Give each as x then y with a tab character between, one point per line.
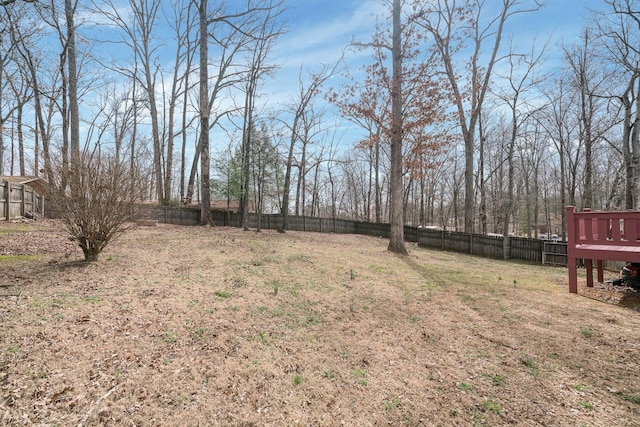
96	200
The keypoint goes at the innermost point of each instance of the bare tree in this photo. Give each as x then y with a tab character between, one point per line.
619	31
557	122
8	2
299	107
229	32
452	26
310	129
66	97
138	29
182	25
266	30
24	47
591	81
366	106
14	88
265	170
521	78
366	103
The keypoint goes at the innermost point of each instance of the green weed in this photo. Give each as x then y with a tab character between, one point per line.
221	293
200	333
531	364
169	337
392	404
311	321
587	405
275	285
329	375
360	375
492	406
91	299
587	333
466	298
496	380
264	338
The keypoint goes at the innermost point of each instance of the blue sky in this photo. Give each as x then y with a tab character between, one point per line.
318	31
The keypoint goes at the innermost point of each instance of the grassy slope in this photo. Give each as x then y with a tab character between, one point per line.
176	326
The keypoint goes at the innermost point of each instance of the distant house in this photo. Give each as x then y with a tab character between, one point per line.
231	206
224	205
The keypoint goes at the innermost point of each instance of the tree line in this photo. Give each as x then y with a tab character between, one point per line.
451	121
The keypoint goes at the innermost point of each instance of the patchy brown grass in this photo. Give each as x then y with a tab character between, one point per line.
216	326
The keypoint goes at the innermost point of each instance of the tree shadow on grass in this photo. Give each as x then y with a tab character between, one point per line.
621	296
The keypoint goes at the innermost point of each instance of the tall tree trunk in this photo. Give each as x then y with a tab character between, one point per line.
74	114
246	153
168	167
40	123
378	201
508	212
481	182
300	184
287	178
1	122
370	188
183	151
396	240
205	161
626	145
20	142
635	157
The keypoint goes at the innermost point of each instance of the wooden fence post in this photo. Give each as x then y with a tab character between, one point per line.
7	200
23	196
506	247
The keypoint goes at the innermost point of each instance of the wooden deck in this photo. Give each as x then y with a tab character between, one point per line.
599	236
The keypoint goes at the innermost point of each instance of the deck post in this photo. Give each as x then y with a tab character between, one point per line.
571	259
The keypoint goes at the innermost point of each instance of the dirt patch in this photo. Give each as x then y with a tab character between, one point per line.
623	296
216	326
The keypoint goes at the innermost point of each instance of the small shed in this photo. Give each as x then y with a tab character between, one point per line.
21	195
39	184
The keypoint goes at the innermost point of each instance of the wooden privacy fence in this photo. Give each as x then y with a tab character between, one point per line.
17	200
497	247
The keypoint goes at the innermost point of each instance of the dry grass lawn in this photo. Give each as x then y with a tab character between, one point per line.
194	326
